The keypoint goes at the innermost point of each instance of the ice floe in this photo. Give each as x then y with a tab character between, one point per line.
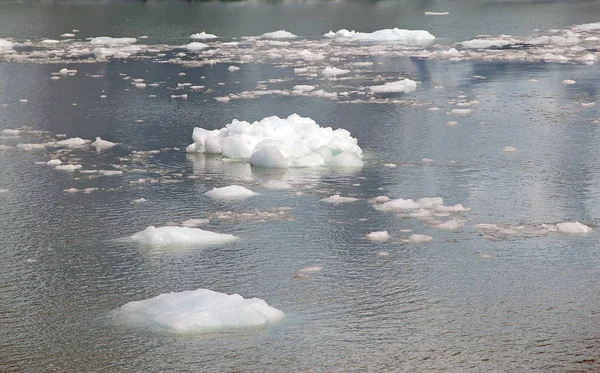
380	236
403	86
395	34
100	144
230	193
280	143
280	34
201	310
203	36
337	199
179	237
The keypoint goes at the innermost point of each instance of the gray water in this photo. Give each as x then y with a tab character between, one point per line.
463	302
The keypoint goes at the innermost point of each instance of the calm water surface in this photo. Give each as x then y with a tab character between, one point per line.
463	302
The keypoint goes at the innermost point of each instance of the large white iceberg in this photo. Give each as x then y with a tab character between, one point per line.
395	34
280	143
162	237
201	310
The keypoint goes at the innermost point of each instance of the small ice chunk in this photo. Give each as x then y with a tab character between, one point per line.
418	238
74	142
303	88
281	34
67	35
139	200
337	199
311	269
568	82
102	144
196	46
54	162
233	68
402	86
509	149
72	190
230	193
277	185
436	13
450	225
332	72
398	205
461	111
163	237
380	236
390	165
107	40
193	223
68	167
201	311
573	228
203	36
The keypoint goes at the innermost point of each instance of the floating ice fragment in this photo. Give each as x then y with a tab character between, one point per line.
4	191
568	82
68	167
418	238
303	88
54	162
193	223
461	111
139	200
509	149
311	269
163	237
380	236
450	225
403	86
332	72
200	311
74	142
6	46
100	144
573	228
436	13
390	165
277	185
281	34
72	190
230	193
233	68
337	199
196	46
486	43
395	34
107	40
203	36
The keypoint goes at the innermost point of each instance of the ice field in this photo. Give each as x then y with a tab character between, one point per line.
285	186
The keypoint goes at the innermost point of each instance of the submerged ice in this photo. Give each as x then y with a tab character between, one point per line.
280	143
201	310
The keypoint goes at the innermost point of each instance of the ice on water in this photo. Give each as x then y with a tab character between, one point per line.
230	193
201	311
179	237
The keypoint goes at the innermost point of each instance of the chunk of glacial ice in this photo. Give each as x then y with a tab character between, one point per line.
280	34
201	310
100	144
203	36
337	199
380	236
176	237
573	228
395	34
230	193
196	46
402	86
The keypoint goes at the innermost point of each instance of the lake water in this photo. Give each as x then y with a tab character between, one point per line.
517	299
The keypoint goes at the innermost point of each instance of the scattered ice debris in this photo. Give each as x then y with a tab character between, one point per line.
418	238
588	104
13	132
568	82
166	237
68	167
203	36
509	149
395	34
573	228
139	200
196	46
281	34
277	185
436	13
337	199
487	43
233	68
90	190
380	236
332	72
402	86
311	269
230	193
301	276
223	99
202	310
280	143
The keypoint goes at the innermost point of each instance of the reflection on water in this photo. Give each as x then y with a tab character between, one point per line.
465	301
